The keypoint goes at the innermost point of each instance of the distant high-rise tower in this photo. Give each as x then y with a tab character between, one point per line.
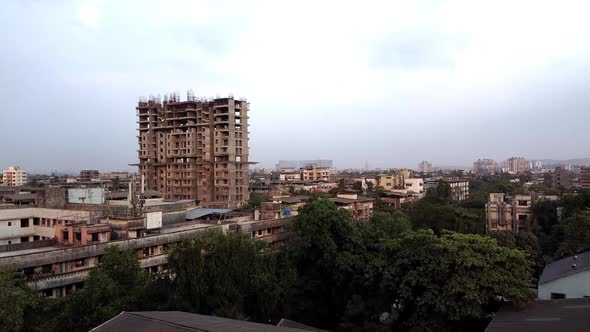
516	165
425	167
485	167
195	149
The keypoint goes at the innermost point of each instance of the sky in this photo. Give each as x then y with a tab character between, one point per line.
388	83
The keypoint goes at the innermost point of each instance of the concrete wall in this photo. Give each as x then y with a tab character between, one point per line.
86	195
573	286
71	253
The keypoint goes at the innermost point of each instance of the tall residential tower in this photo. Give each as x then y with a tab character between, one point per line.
195	149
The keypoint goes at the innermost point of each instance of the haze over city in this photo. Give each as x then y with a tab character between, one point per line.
391	83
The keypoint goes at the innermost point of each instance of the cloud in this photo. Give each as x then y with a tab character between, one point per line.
89	14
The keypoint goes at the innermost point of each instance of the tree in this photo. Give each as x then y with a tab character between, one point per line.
16	298
323	254
255	200
341	184
451	281
117	284
576	231
370	188
358	187
230	275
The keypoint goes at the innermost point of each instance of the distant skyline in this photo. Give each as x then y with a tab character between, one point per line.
388	82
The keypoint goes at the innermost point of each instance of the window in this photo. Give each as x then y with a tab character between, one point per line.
35	221
24	222
260	232
522	203
24	239
557	296
9	242
9	224
66	236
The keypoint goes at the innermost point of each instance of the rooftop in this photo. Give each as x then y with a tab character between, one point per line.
202	212
539	316
182	321
564	267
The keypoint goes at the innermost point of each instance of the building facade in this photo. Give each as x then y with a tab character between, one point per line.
485	167
195	149
425	167
516	165
560	178
584	178
315	173
505	213
14	176
88	175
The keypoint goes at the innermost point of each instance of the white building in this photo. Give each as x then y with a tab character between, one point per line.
567	278
14	176
415	186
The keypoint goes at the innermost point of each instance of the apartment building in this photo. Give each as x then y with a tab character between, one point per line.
505	213
560	178
360	207
584	178
485	167
459	189
14	176
195	149
88	175
315	173
425	167
516	165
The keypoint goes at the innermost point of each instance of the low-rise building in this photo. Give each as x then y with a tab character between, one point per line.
14	176
89	175
360	207
415	186
567	278
315	173
396	199
505	213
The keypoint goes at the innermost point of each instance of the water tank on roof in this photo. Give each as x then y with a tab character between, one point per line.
287	212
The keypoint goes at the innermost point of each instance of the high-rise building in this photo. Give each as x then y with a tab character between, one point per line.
195	149
516	165
425	167
560	178
584	179
485	167
14	176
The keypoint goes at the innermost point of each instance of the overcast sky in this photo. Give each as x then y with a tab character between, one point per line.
391	83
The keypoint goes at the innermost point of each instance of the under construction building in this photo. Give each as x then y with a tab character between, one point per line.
195	149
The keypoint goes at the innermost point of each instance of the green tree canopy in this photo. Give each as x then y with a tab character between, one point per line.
440	283
230	275
576	231
117	284
15	299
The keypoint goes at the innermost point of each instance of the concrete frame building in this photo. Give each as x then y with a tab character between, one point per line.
560	178
507	213
14	176
584	179
195	149
88	175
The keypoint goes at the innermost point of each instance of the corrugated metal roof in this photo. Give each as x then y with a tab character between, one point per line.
201	212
